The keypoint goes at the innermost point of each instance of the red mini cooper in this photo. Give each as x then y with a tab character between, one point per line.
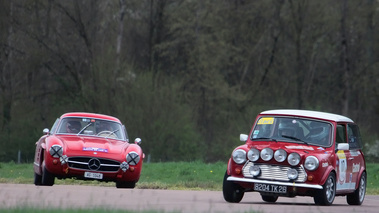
87	146
298	153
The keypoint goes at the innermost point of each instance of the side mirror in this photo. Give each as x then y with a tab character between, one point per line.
138	141
343	146
243	137
46	131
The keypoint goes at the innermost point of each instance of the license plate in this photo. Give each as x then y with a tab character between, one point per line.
93	175
270	188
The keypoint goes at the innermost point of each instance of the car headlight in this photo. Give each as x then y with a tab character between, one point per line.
292	174
253	154
56	151
124	166
132	158
293	159
280	155
255	170
239	156
311	163
267	154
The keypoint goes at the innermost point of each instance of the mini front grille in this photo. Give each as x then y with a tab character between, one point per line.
273	172
95	164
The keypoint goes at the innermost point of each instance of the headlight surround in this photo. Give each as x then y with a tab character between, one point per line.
267	154
239	156
292	174
56	151
293	159
311	163
132	158
280	155
253	154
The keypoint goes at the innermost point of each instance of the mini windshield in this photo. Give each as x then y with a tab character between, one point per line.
91	127
292	129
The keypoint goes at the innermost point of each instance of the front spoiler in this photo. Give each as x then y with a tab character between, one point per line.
246	180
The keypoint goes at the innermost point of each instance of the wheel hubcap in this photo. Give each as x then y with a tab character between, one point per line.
362	188
330	190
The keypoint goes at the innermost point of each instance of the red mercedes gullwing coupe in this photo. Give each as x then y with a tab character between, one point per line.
298	153
87	146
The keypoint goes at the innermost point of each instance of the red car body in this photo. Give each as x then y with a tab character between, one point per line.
88	146
298	153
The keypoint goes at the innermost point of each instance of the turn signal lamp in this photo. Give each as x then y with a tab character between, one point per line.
238	171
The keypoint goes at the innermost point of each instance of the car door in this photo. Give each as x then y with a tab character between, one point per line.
356	158
344	161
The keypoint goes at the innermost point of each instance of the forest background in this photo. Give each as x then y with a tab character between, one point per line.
186	76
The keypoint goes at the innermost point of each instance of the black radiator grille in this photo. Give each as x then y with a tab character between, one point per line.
104	165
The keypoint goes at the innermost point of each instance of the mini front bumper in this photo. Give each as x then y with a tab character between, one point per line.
246	180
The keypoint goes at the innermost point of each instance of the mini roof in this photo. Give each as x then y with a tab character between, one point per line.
309	113
90	115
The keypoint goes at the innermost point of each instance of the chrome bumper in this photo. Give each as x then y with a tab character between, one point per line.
246	180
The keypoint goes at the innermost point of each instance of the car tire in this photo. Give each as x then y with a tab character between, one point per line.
326	195
358	196
37	179
47	178
126	184
270	199
233	193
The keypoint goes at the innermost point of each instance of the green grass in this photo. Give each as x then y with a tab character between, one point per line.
181	175
372	178
170	175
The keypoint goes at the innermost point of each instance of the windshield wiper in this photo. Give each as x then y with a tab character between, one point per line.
110	133
294	138
84	128
264	138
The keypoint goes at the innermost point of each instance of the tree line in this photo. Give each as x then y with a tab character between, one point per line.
187	76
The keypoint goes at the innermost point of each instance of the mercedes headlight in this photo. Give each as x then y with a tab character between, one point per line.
267	154
253	155
311	163
56	151
293	159
132	158
280	155
239	156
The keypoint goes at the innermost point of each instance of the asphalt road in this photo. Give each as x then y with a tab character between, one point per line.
71	196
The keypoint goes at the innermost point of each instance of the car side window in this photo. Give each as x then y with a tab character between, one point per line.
354	137
341	134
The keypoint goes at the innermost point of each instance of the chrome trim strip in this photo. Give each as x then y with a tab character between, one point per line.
246	180
110	165
78	162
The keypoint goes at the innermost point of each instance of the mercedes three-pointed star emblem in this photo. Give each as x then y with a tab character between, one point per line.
94	164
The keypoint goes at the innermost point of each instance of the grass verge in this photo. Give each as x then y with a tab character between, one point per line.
169	175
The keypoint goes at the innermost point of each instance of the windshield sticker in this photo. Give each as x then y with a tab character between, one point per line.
265	121
94	149
255	133
300	147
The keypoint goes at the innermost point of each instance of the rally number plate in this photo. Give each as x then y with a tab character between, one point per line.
93	175
261	187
